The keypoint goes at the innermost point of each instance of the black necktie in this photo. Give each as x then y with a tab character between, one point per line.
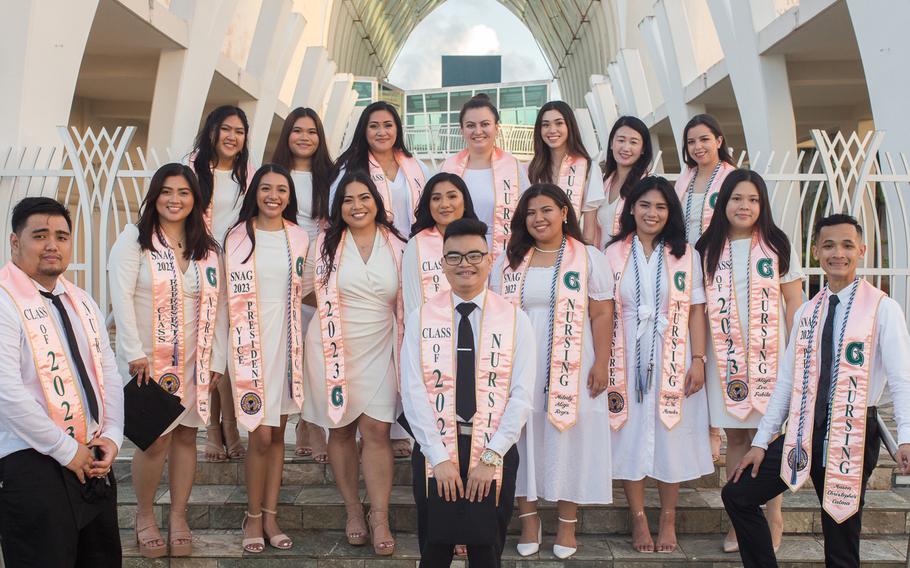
77	356
824	375
465	403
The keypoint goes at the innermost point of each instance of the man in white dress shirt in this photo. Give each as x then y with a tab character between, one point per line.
466	265
61	426
838	247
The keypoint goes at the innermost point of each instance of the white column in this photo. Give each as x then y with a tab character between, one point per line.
881	35
314	80
669	43
184	75
759	82
338	110
586	126
633	73
41	50
605	103
277	33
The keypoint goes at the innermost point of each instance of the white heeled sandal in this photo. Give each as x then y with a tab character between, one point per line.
529	548
563	552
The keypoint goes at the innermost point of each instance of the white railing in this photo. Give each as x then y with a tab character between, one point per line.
436	143
102	184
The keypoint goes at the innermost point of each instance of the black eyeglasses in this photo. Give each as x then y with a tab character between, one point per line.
473	257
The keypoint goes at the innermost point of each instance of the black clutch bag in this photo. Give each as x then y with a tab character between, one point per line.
461	522
148	411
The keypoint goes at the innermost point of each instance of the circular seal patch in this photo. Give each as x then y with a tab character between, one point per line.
616	402
169	382
250	403
737	390
803	459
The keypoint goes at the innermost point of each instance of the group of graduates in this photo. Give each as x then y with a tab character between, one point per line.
535	332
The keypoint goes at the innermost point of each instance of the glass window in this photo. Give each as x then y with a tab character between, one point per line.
453	118
457	99
415	103
511	97
535	95
508	116
437	102
492	93
416	120
364	90
437	117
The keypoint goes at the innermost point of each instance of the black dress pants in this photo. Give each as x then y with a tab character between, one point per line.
45	520
433	555
743	499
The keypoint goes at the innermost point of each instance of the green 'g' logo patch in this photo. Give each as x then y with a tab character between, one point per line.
298	266
712	200
337	397
679	280
764	266
212	276
854	353
571	280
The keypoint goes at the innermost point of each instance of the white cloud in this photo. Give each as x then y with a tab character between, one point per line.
468	27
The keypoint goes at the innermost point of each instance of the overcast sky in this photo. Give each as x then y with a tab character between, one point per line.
468	27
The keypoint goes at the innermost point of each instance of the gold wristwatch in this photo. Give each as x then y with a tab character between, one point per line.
489	457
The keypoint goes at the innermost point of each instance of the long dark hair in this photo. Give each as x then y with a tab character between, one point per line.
722	153
674	232
320	163
480	100
423	219
540	170
337	225
357	156
711	244
609	165
250	208
205	157
521	241
198	240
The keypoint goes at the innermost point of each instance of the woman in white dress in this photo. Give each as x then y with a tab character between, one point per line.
494	177
221	160
764	267
560	158
263	264
351	368
378	148
445	198
306	155
659	418
163	260
708	163
564	450
628	159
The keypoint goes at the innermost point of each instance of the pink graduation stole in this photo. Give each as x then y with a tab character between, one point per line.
569	315
243	312
429	255
412	173
169	350
747	376
209	215
573	173
506	190
58	379
707	210
328	297
673	365
495	354
847	429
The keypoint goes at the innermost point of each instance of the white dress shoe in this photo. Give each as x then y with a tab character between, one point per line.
529	548
563	552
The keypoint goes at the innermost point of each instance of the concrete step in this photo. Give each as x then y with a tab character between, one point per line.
699	512
305	471
328	549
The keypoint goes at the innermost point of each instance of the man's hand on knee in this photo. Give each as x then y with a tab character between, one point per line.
753	457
